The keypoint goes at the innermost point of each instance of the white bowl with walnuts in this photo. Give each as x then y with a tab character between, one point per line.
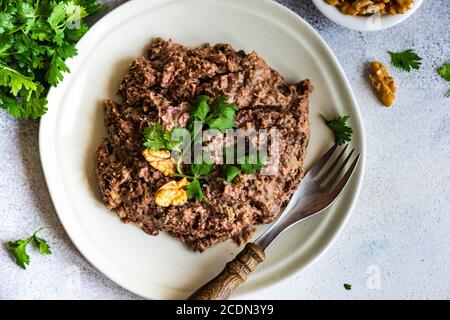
368	15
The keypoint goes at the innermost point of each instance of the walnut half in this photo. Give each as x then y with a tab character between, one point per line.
160	160
172	193
383	83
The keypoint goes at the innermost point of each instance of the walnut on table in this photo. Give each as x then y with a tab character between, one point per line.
383	83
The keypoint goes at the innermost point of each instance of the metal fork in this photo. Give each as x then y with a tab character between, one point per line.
320	187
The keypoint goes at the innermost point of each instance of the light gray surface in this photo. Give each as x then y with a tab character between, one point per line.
397	241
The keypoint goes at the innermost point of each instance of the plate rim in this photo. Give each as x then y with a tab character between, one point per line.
357	179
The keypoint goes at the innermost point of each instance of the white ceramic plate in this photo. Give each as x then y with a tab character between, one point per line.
161	267
364	23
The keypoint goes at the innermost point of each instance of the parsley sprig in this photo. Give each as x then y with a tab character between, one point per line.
247	164
406	60
218	115
36	38
342	132
444	72
157	138
19	248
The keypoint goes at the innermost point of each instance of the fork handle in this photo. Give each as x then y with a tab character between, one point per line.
234	274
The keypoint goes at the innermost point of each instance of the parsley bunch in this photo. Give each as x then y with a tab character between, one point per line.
36	37
219	115
19	248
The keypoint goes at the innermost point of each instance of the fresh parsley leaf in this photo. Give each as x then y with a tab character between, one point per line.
251	164
231	172
221	107
67	50
34	107
174	138
448	95
56	69
11	104
75	34
27	15
40	31
171	143
342	132
194	190
155	137
75	12
222	115
42	244
444	71
15	80
221	123
6	43
18	107
57	19
406	60
202	169
202	166
19	248
6	22
347	286
201	108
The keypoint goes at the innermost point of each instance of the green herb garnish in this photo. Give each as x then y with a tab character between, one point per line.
36	38
201	108
156	138
231	172
444	71
251	164
19	248
342	132
195	190
406	60
347	286
221	116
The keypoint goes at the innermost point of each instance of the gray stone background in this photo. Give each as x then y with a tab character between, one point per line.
399	232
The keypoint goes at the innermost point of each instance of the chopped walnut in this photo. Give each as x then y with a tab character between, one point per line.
172	193
160	160
367	7
383	83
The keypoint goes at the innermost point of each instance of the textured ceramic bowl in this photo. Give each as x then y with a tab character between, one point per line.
359	23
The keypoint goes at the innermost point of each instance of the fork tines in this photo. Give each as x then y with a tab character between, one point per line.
331	174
